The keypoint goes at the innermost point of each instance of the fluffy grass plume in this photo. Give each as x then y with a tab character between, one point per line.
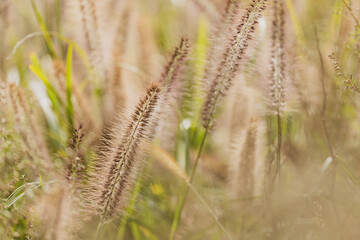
115	172
230	61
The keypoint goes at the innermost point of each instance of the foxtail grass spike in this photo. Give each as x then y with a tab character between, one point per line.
230	60
247	161
277	92
115	172
176	63
74	164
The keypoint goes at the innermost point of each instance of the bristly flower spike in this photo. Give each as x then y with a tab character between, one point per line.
175	64
114	173
230	62
277	90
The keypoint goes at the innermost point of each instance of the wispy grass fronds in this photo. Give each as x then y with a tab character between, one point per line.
115	172
230	61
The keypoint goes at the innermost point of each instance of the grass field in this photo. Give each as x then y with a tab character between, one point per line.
180	119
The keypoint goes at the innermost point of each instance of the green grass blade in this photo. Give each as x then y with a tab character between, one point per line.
57	103
44	30
135	231
35	67
69	106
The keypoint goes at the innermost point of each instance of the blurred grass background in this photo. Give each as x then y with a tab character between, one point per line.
44	42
